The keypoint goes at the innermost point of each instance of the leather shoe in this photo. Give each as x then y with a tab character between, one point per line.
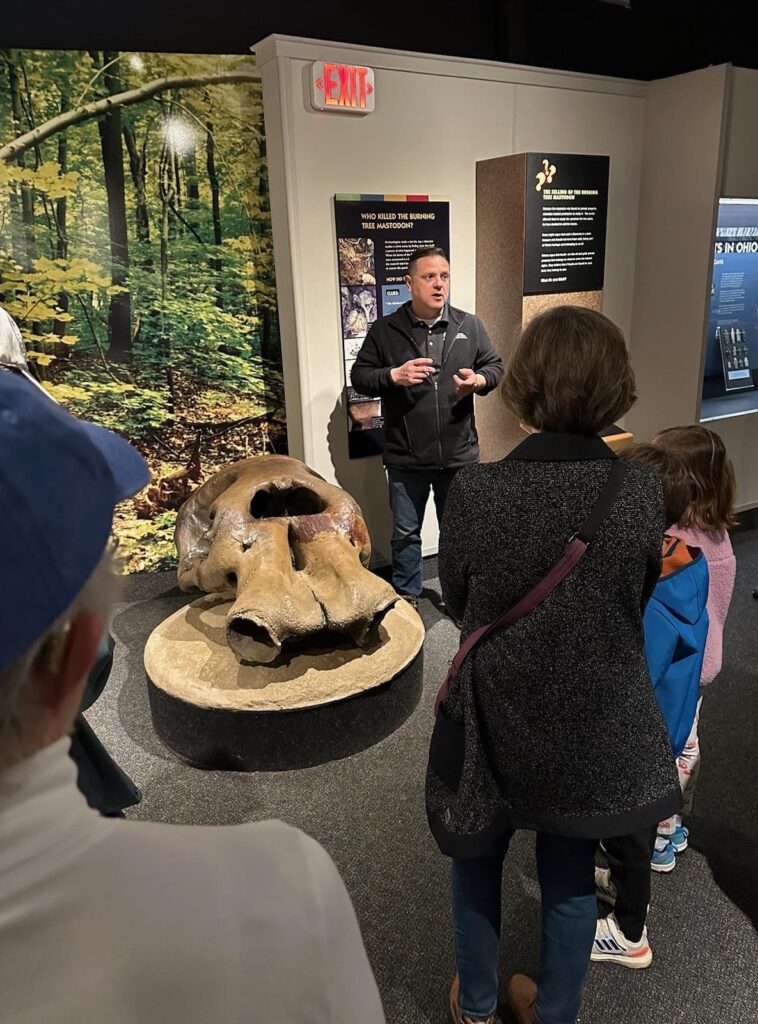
522	995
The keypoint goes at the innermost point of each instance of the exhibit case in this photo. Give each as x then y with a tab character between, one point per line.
730	364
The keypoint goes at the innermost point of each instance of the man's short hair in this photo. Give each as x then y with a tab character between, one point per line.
420	254
672	469
570	371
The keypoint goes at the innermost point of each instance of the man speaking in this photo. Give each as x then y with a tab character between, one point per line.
426	360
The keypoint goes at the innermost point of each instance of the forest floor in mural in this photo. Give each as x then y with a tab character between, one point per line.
136	258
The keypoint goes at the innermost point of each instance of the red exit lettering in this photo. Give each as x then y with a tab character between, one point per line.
345	86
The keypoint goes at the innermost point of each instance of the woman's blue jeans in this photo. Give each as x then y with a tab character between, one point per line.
566	871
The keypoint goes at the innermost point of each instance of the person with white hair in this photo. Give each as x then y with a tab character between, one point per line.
123	921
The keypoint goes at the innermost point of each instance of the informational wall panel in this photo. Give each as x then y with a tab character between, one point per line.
376	235
566	210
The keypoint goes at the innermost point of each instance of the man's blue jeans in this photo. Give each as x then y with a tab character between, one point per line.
566	871
409	493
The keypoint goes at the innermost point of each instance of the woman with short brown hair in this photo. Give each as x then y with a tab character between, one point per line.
570	372
559	731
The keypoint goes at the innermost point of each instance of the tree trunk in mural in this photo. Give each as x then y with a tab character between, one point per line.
193	191
167	192
119	313
267	314
61	215
26	252
266	345
137	166
218	237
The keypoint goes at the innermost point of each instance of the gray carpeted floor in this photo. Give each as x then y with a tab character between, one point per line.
368	811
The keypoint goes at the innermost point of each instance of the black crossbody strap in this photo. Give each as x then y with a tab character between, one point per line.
604	503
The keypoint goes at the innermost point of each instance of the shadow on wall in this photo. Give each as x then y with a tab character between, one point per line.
365	479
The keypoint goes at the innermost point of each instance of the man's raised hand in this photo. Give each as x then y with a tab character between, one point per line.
467	381
413	372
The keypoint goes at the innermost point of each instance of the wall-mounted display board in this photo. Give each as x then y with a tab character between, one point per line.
730	369
375	236
540	242
566	208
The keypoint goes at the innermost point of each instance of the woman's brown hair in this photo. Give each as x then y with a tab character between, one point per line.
713	485
570	371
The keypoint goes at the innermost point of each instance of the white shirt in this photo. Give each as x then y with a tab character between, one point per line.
105	921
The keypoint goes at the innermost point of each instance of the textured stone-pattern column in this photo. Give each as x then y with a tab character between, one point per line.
500	301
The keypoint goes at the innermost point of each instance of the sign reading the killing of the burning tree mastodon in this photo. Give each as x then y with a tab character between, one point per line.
565	211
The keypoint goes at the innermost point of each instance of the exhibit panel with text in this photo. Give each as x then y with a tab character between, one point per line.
730	369
376	235
565	211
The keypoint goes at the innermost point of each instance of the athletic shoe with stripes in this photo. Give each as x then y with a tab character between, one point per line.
612	946
664	856
680	838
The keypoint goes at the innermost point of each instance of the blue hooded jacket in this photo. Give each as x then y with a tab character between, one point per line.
676	628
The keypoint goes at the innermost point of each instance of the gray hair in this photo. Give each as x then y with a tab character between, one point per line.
18	695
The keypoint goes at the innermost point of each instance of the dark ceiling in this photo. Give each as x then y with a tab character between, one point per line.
648	39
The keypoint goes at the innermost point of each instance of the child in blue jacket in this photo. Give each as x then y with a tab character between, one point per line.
676	629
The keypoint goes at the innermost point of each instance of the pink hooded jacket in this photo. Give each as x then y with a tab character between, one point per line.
722	566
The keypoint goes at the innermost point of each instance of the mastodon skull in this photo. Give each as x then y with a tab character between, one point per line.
291	548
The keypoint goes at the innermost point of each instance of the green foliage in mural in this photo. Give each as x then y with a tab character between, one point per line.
136	257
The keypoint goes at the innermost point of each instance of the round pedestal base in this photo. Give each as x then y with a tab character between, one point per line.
301	710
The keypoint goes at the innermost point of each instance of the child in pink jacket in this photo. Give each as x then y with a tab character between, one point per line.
704	525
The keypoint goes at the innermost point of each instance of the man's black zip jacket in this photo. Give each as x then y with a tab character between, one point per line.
426	426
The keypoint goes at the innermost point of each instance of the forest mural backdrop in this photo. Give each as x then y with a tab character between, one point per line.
136	257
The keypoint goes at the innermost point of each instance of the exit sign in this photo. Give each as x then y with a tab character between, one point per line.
343	88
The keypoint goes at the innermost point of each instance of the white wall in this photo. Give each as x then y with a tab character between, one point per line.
435	117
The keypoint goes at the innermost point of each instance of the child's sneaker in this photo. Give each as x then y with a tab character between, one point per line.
664	856
679	839
612	945
605	890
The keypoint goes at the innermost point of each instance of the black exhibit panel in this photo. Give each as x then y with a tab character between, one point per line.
566	209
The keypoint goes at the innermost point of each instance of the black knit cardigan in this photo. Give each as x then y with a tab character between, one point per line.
562	731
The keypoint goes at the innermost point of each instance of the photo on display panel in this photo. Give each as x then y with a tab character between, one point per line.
358	309
364	415
352	347
356	261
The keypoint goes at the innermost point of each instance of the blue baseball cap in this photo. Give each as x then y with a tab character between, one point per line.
60	480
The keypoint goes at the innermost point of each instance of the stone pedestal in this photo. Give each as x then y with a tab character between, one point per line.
305	708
